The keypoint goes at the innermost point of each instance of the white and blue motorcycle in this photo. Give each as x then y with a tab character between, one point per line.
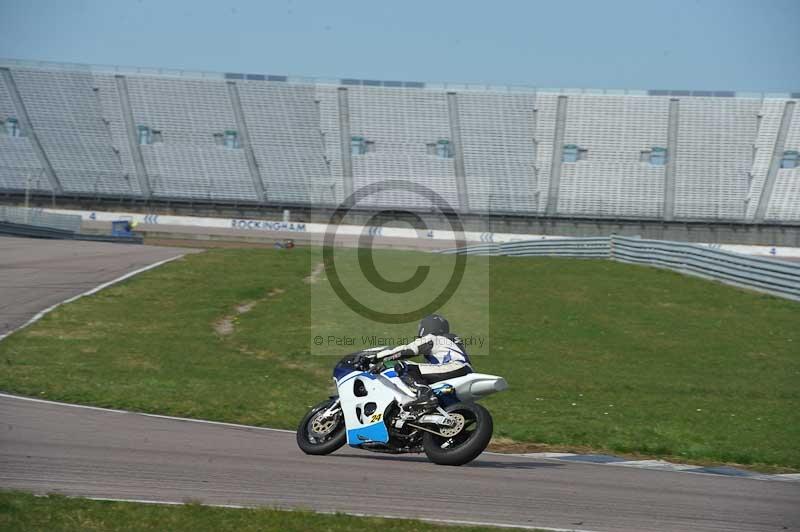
366	414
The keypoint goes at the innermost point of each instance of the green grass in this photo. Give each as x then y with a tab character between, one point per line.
21	511
598	354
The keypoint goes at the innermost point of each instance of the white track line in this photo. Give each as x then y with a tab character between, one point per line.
661	465
352	514
788	476
96	289
161	416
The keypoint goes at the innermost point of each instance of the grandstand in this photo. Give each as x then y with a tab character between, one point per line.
249	139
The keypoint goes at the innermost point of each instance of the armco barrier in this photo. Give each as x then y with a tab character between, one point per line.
766	275
36	223
568	247
34	231
475	249
135	239
40	218
596	247
772	276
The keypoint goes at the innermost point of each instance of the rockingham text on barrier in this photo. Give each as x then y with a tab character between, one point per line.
266	225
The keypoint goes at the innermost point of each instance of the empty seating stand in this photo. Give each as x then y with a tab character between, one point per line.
612	179
284	127
184	158
397	125
276	140
65	113
785	201
500	152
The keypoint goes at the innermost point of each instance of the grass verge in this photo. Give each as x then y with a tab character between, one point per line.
54	513
598	354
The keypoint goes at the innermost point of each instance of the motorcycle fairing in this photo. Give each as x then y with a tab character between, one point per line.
376	392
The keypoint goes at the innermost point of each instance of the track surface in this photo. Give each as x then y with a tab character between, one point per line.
46	447
36	273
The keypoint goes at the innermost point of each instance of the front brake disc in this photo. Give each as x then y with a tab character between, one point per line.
322	426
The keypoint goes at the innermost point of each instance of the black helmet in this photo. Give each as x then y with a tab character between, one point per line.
433	324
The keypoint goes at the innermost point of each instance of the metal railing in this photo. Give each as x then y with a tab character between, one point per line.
771	276
39	218
595	247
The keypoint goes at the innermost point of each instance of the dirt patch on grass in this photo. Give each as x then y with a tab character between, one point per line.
245	307
316	274
226	325
507	445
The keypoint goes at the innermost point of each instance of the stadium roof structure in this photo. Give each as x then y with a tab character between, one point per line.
435	85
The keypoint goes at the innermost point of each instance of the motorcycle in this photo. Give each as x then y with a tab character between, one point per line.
366	414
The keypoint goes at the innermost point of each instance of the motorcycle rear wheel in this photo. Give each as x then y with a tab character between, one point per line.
468	443
318	437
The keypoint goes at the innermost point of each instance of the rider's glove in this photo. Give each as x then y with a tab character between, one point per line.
425	348
401	367
361	362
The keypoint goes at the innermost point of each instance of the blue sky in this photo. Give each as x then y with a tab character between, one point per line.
682	44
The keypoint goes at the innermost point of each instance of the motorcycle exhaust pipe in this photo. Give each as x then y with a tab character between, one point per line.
488	386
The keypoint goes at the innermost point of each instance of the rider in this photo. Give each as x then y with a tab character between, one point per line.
445	353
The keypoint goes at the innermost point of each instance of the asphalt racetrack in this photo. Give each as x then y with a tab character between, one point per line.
49	447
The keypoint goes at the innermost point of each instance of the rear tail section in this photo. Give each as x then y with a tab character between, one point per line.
473	386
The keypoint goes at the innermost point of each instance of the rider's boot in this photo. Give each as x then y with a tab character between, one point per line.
425	398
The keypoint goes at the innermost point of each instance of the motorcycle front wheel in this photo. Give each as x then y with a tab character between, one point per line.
464	442
317	435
